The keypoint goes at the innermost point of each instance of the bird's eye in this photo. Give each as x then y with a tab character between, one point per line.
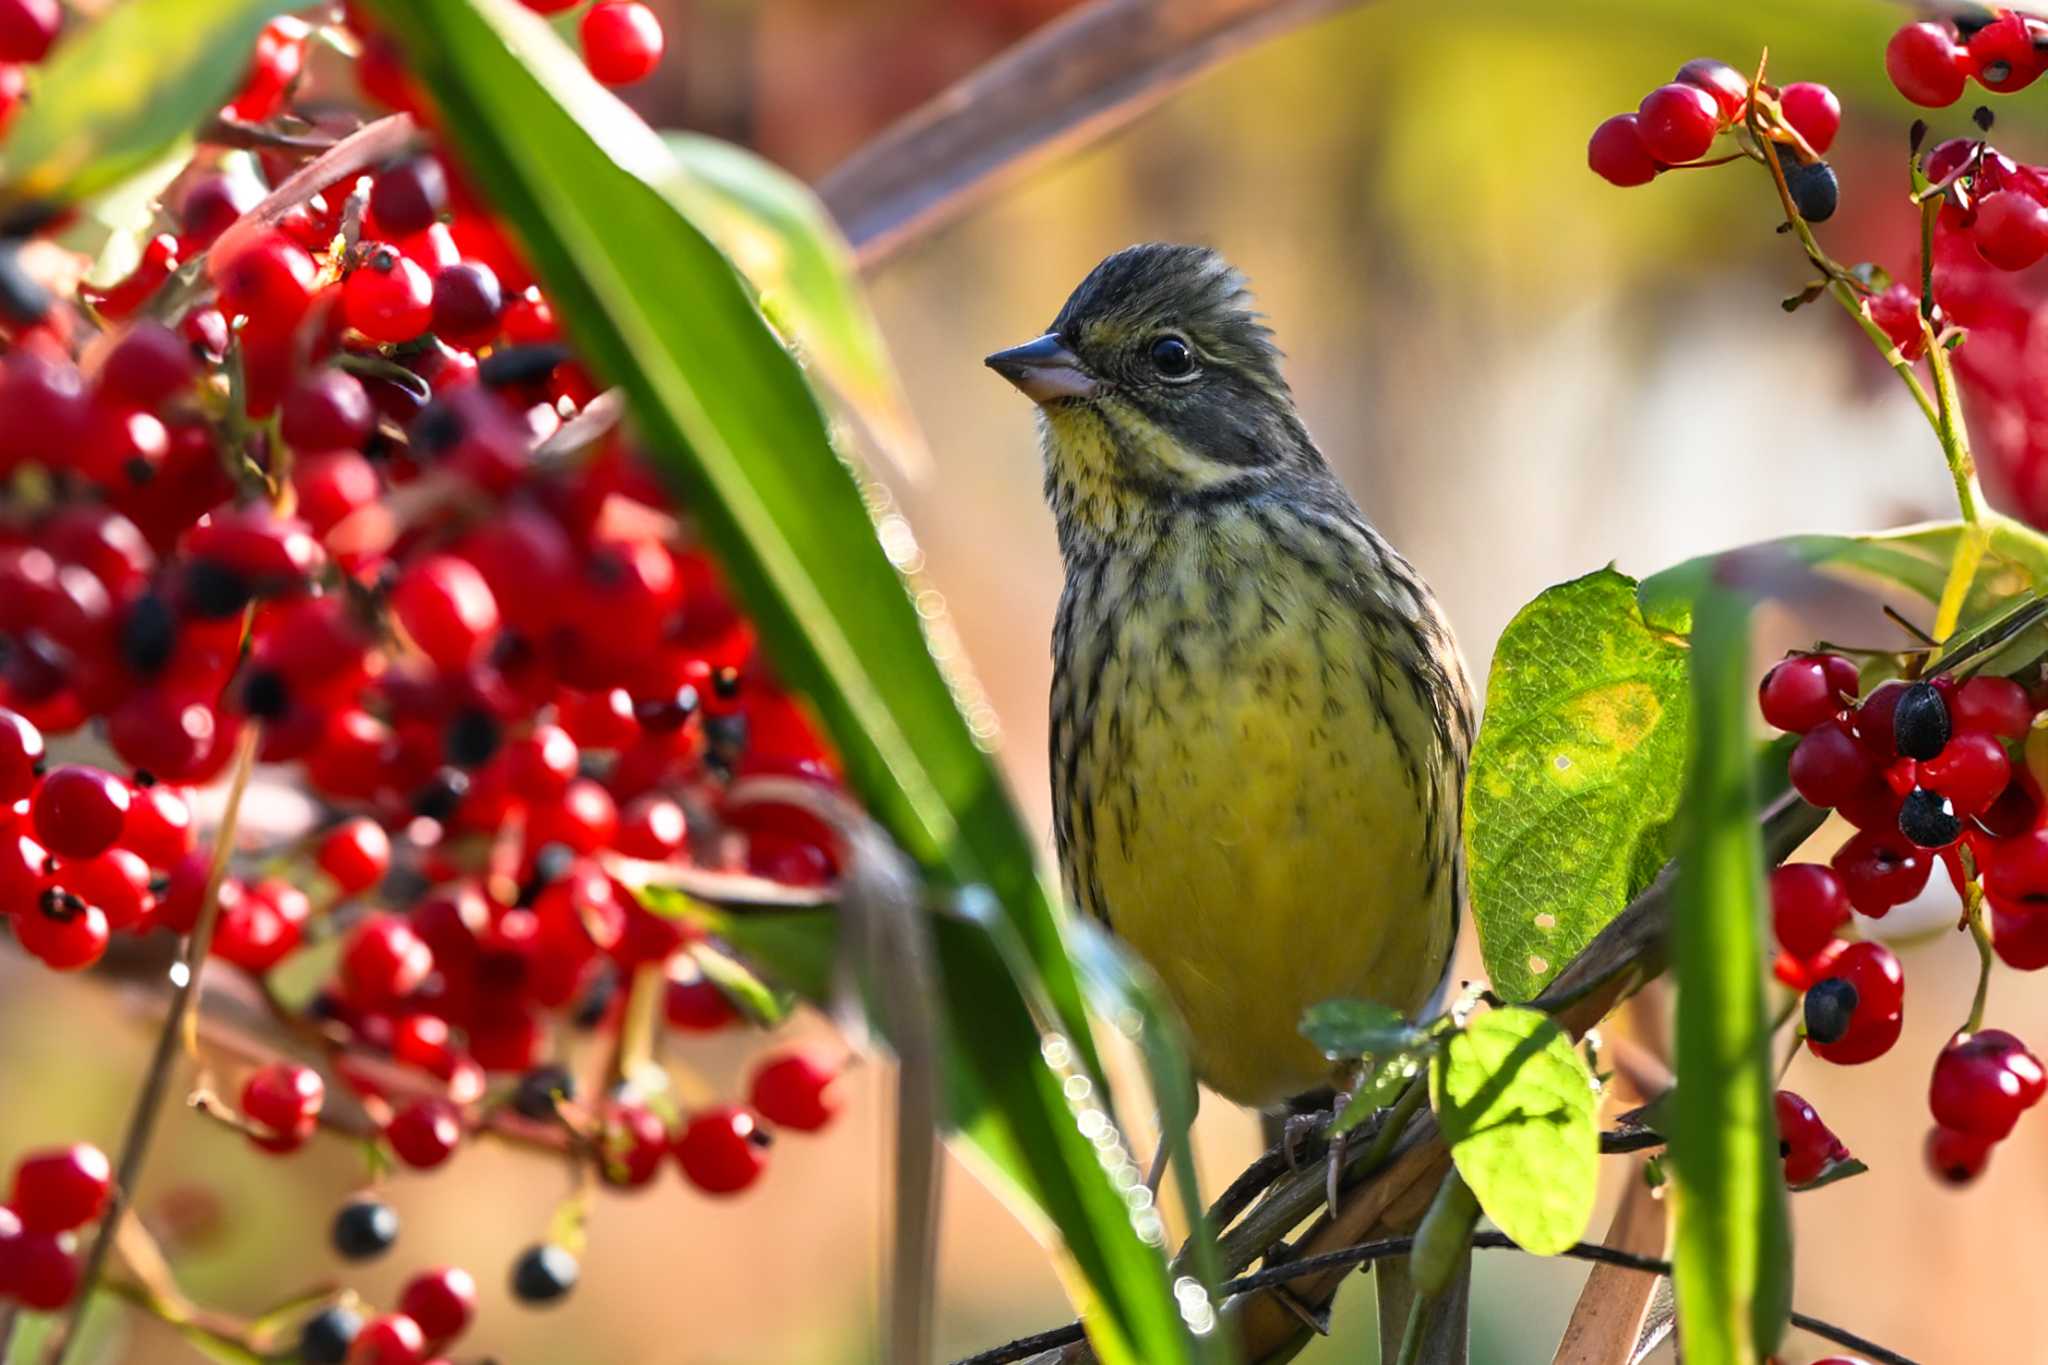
1173	357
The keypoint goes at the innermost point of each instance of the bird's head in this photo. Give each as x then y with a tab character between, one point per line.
1158	380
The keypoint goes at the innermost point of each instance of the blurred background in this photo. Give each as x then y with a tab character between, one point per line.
1523	373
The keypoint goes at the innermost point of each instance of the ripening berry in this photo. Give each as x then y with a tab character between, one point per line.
388	297
698	1006
409	196
1982	1083
78	811
425	1133
1729	87
1806	691
1814	113
1806	1144
2011	229
391	1339
28	28
148	366
622	41
722	1150
442	1301
1956	1158
21	756
1677	123
1994	706
1808	907
2002	55
1616	153
62	1188
357	854
1880	869
447	608
543	1274
384	960
1897	311
364	1229
632	1143
798	1089
1879	1012
1926	64
1828	766
468	302
327	409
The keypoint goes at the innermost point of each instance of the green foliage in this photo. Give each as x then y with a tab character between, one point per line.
1357	1028
1517	1107
1571	793
117	94
1733	1250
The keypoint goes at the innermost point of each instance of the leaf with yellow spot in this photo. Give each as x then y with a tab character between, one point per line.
1575	776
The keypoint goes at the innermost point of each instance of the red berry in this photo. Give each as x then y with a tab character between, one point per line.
269	281
542	763
1803	692
65	932
1806	1144
37	1269
410	196
1879	869
797	1090
393	1339
357	854
2002	55
328	409
21	756
1729	87
385	960
2019	938
1616	154
2017	878
1873	972
1982	1082
1808	906
1996	706
1926	64
1677	123
28	28
584	819
117	882
1813	111
622	41
652	827
468	302
1897	311
285	1100
1972	771
723	1149
447	608
79	811
388	297
1956	1158
1829	766
2011	229
697	1006
148	366
633	1142
425	1133
61	1189
442	1301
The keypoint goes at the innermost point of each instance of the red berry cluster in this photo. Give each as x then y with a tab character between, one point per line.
1930	61
299	488
28	30
55	1193
1925	770
1677	124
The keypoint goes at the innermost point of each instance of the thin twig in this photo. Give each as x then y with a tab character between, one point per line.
1025	1347
156	1082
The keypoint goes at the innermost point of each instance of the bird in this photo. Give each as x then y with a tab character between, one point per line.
1260	719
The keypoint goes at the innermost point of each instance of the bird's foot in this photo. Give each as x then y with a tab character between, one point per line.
1300	1136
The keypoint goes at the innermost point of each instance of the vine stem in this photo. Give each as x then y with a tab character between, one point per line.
178	1033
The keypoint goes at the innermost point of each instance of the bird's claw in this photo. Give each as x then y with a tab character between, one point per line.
1298	1138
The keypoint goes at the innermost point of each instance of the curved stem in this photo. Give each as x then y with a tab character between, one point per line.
1973	899
179	1028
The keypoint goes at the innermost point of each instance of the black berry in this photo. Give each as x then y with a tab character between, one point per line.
326	1337
539	1088
1830	1007
543	1274
1920	722
365	1229
1929	819
1815	191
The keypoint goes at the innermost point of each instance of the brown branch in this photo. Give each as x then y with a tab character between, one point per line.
1071	83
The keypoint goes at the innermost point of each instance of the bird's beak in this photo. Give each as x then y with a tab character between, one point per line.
1045	370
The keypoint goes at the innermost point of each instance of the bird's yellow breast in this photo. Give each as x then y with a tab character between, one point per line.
1251	794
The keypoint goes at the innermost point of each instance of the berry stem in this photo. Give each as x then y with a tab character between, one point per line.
179	1029
1973	917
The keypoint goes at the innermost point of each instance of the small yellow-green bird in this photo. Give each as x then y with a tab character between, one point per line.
1260	720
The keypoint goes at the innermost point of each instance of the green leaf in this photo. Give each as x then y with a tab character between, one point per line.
1840	1170
1390	1076
1013	1090
1733	1250
781	237
1574	775
1516	1105
1357	1028
753	997
119	93
728	418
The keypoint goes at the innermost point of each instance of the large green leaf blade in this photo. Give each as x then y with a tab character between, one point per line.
1733	1261
1570	797
1518	1109
729	417
119	93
